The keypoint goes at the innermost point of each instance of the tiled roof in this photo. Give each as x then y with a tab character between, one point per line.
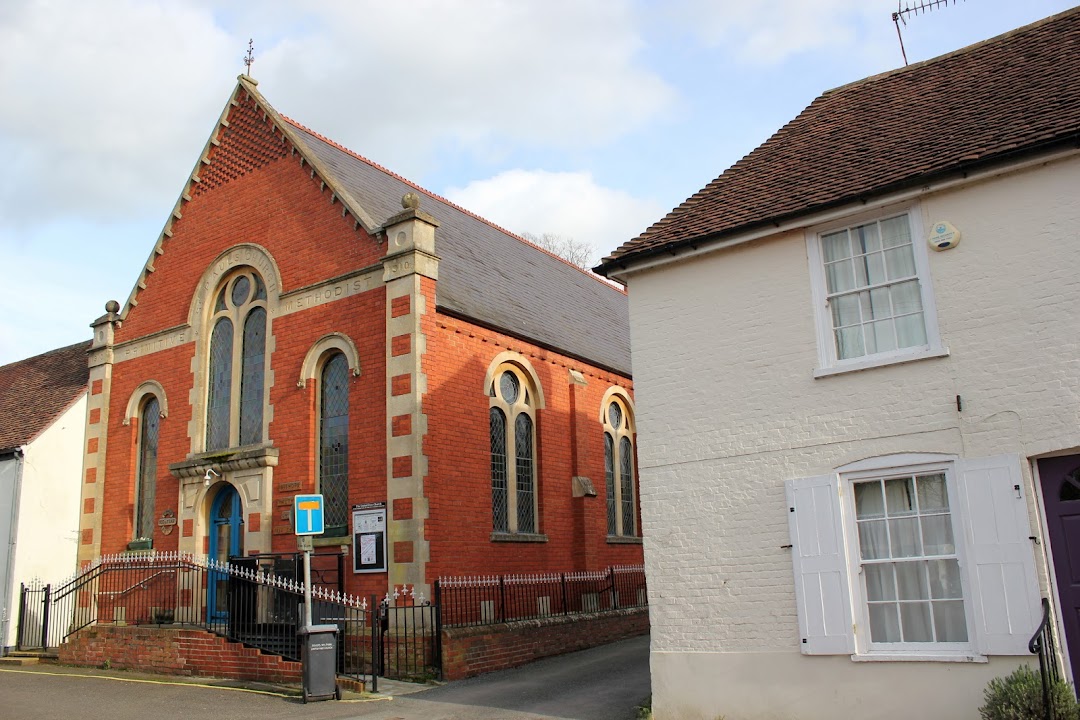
493	277
1010	96
35	391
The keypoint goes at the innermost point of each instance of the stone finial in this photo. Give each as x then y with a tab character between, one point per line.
410	201
112	307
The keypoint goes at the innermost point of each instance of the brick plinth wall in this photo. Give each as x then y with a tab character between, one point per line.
174	651
470	651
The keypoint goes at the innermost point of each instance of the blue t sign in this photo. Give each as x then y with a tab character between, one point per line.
308	511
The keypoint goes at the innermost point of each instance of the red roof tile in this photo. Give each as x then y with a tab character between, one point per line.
1010	96
35	391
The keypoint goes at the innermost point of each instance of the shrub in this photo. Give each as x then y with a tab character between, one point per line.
1019	696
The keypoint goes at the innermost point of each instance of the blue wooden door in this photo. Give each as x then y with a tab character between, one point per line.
226	540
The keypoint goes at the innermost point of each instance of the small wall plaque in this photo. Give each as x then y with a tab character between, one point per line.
167	522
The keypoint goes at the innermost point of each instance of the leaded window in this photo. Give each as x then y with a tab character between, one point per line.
619	468
146	482
236	379
334	443
512	423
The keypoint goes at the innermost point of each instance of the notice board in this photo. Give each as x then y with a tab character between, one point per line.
369	537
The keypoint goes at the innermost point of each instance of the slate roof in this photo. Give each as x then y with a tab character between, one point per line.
1002	99
35	391
491	276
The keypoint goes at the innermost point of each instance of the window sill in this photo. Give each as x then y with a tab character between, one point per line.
334	541
921	657
518	537
623	540
880	361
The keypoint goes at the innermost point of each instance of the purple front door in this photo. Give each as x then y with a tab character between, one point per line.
1060	478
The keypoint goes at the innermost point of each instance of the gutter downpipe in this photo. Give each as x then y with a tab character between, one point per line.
7	584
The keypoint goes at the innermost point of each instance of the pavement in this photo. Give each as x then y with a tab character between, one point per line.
603	683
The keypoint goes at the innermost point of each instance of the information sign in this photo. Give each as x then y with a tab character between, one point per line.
308	512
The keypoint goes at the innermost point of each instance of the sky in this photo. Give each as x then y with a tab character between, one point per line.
589	119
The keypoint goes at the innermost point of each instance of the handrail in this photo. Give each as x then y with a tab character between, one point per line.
1035	643
141	584
1042	644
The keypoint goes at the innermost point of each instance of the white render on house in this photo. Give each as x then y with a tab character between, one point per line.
738	404
39	511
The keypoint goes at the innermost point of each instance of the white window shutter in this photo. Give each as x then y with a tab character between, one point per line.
822	595
1005	590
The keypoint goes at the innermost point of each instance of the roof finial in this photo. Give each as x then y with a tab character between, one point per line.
250	57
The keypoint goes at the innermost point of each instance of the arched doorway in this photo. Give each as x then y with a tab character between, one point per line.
226	540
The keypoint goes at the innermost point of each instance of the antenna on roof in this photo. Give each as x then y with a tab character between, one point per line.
913	8
250	57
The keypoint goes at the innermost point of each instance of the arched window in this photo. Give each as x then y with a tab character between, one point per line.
512	420
619	467
146	467
236	387
334	443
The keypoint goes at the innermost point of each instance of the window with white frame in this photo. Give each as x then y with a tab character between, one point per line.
872	288
907	558
914	557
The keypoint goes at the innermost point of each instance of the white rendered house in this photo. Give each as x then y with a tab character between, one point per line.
42	430
857	367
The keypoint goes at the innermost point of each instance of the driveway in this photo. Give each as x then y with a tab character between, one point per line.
604	683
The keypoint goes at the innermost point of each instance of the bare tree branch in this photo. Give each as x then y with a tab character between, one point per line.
576	252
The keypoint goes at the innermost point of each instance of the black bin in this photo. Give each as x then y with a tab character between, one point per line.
318	653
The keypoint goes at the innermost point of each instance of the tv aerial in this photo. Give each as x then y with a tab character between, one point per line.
913	8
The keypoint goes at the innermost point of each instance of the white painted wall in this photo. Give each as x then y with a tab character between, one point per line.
48	510
724	349
9	486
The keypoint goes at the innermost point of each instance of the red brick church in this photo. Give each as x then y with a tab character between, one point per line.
310	322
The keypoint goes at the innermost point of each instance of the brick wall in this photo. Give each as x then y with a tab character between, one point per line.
475	650
458	448
174	652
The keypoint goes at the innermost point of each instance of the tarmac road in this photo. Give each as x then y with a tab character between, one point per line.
604	683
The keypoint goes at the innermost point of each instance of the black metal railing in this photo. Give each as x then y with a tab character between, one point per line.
1042	644
494	599
256	601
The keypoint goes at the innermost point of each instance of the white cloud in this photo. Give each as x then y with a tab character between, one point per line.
478	77
102	100
570	204
768	32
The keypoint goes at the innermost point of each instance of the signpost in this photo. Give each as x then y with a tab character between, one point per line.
318	652
308	512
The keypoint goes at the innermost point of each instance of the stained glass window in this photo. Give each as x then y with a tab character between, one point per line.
626	474
513	485
237	363
251	381
220	395
500	516
619	469
523	450
609	477
334	444
147	479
